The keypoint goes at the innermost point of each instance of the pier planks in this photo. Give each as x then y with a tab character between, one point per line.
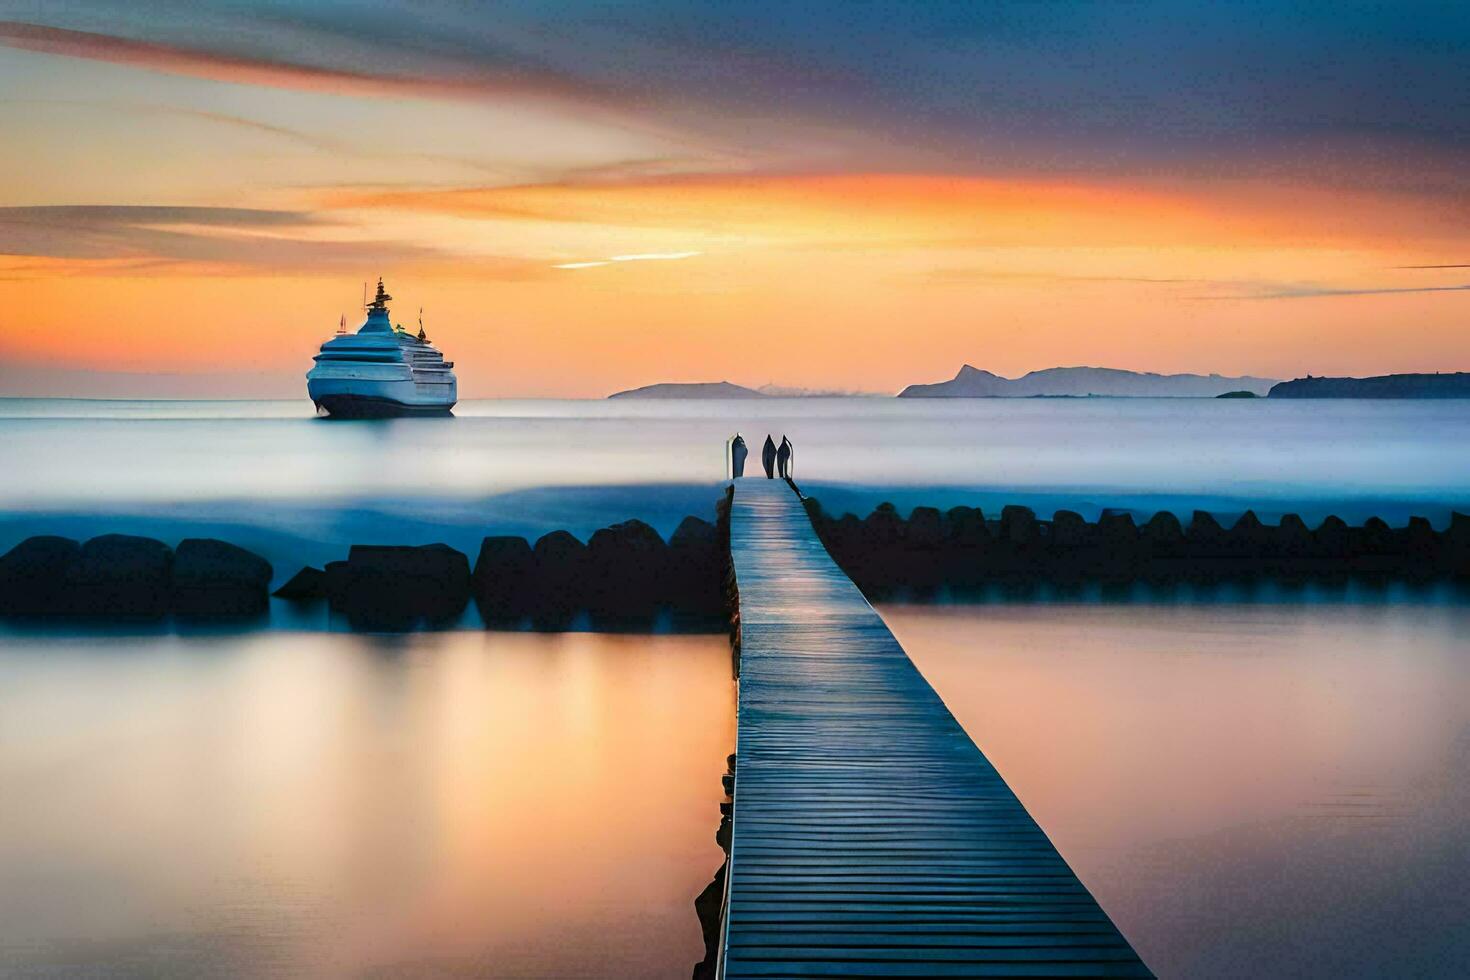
871	837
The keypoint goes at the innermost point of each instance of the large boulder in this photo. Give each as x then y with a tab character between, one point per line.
882	529
695	536
1249	538
398	586
697	566
309	583
1375	537
562	572
1205	538
1116	531
1457	543
1069	531
1162	534
505	576
1420	543
964	528
37	576
217	579
630	567
335	580
925	529
1293	538
1333	538
845	538
1018	526
120	576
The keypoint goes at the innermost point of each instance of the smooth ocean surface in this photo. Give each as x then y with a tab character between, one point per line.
444	805
270	476
1249	789
1252	781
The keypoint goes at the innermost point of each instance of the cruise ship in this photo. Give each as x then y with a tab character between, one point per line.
381	371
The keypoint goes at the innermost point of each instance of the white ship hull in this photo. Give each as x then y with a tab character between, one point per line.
381	371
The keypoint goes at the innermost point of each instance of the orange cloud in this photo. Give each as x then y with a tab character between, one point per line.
952	211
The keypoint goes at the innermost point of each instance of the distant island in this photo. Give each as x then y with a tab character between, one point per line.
1385	386
1083	382
972	382
726	389
698	389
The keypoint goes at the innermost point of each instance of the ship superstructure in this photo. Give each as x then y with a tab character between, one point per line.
381	371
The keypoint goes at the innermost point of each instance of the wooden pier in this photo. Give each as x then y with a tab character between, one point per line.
871	837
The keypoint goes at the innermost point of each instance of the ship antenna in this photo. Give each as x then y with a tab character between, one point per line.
422	336
342	324
364	294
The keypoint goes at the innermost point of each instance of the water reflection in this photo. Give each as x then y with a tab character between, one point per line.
277	804
1250	790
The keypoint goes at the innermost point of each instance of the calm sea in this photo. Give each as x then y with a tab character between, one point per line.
1253	783
299	489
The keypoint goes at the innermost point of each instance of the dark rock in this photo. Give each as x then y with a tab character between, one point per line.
1205	538
1293	538
1456	543
883	528
696	567
309	583
562	571
1333	538
1162	534
124	577
964	528
1458	533
1018	526
709	906
694	535
842	537
335	581
1069	531
207	563
1117	531
1248	537
504	580
216	579
397	586
925	529
1376	537
1419	541
630	567
1121	554
36	576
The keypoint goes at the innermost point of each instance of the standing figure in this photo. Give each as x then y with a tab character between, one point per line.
783	458
738	452
768	458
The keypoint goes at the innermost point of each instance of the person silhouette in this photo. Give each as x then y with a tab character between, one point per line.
738	452
768	457
783	458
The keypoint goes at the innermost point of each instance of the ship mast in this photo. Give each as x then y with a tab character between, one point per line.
380	301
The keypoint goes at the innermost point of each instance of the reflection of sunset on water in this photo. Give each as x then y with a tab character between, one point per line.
333	805
1212	770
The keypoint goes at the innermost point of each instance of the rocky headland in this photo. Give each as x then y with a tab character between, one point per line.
698	389
1383	386
1082	382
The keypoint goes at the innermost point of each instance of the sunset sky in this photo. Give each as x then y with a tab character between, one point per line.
855	196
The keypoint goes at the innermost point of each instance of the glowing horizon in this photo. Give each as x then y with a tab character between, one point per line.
592	209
